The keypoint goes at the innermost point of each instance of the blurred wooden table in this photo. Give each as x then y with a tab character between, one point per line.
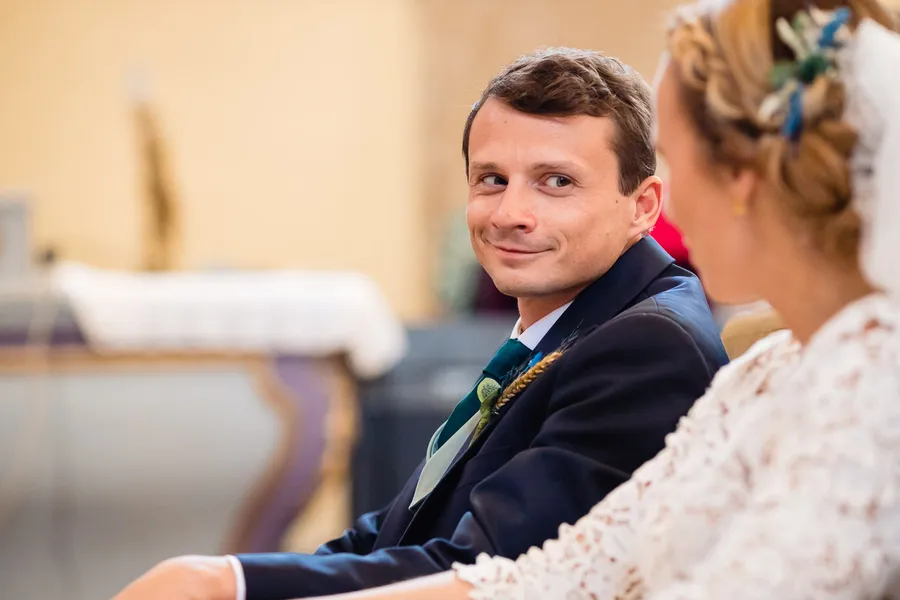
112	462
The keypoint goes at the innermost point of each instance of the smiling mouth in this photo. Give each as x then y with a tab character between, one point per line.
511	251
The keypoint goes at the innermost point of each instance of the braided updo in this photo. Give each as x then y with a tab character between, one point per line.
724	52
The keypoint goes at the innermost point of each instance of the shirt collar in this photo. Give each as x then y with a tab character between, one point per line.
532	336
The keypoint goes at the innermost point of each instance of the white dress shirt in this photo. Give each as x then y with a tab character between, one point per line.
531	337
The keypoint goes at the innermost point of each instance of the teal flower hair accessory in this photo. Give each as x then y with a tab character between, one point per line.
815	38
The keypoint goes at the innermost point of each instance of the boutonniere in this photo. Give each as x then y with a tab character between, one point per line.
493	400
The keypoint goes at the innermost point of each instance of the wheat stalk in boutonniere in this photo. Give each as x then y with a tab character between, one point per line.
516	387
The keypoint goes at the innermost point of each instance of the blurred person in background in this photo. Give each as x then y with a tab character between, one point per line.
668	236
613	344
779	122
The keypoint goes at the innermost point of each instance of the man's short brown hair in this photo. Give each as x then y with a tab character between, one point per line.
566	82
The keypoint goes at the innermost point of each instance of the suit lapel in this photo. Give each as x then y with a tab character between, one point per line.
596	304
609	295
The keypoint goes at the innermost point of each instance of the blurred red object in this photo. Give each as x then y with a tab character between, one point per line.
671	240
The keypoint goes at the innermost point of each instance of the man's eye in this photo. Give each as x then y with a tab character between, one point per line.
558	181
493	180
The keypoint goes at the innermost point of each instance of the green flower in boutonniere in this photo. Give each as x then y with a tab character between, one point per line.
487	391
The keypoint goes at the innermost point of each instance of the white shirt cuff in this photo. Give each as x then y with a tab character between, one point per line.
240	582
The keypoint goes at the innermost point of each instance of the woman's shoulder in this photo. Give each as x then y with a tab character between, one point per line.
764	364
842	405
872	321
857	353
865	334
773	352
861	339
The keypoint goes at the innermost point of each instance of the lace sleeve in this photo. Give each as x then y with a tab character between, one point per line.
589	560
823	515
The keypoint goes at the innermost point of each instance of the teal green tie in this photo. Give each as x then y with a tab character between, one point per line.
510	355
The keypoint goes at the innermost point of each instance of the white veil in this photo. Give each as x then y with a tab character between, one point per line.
870	71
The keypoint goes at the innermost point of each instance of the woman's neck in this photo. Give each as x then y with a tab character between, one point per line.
809	297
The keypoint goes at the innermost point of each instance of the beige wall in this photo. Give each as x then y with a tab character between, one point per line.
302	133
291	124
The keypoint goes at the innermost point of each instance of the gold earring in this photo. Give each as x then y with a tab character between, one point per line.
739	209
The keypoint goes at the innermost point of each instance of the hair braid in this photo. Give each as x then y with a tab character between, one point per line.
724	52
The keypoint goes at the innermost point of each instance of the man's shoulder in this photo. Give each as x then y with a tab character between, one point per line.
677	300
672	310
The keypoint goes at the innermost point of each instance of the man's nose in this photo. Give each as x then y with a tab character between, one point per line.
516	208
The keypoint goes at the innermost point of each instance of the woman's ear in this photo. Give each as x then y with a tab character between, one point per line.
742	184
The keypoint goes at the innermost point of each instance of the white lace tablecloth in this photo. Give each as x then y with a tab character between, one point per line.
278	312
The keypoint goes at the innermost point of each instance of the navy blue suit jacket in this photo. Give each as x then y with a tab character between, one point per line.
645	347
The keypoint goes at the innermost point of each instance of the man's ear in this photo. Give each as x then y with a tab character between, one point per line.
647	205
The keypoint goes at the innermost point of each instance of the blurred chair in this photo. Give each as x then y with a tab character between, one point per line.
745	329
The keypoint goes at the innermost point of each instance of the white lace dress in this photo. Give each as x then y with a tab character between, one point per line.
782	482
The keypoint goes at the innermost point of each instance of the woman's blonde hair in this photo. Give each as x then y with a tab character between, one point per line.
724	52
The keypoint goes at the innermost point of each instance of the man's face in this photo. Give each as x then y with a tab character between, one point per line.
545	214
